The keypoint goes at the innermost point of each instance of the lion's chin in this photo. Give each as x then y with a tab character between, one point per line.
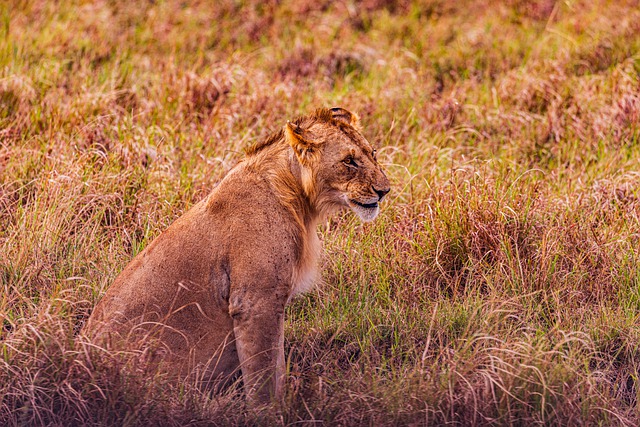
365	212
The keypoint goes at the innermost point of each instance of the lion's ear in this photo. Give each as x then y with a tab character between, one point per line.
346	116
302	146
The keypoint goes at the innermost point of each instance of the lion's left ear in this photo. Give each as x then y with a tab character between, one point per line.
346	116
298	139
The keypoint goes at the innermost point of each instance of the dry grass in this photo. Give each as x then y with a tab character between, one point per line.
500	285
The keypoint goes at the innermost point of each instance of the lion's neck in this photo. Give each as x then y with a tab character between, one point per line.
281	169
305	190
290	182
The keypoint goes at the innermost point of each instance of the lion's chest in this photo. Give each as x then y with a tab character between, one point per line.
306	273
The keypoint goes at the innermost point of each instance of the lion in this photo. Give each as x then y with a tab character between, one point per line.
211	290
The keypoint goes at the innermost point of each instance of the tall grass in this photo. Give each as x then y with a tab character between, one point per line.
500	284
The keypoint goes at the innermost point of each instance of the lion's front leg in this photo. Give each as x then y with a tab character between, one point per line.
259	333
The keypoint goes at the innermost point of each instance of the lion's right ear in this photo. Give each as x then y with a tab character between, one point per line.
303	147
346	116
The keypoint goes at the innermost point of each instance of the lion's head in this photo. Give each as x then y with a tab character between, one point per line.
338	165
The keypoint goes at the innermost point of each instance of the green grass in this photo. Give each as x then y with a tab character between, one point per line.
500	284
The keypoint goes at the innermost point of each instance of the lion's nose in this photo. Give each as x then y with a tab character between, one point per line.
381	192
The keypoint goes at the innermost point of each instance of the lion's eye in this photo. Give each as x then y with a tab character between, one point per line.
350	161
373	154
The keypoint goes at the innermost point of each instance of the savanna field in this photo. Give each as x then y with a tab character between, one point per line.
500	284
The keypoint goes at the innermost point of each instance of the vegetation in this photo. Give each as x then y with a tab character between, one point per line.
500	284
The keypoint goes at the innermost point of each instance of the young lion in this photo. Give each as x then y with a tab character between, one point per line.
211	290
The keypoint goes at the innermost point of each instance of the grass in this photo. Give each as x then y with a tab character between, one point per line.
500	284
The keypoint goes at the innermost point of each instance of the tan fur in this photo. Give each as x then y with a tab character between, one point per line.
210	292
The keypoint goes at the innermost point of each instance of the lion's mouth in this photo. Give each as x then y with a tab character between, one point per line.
365	205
